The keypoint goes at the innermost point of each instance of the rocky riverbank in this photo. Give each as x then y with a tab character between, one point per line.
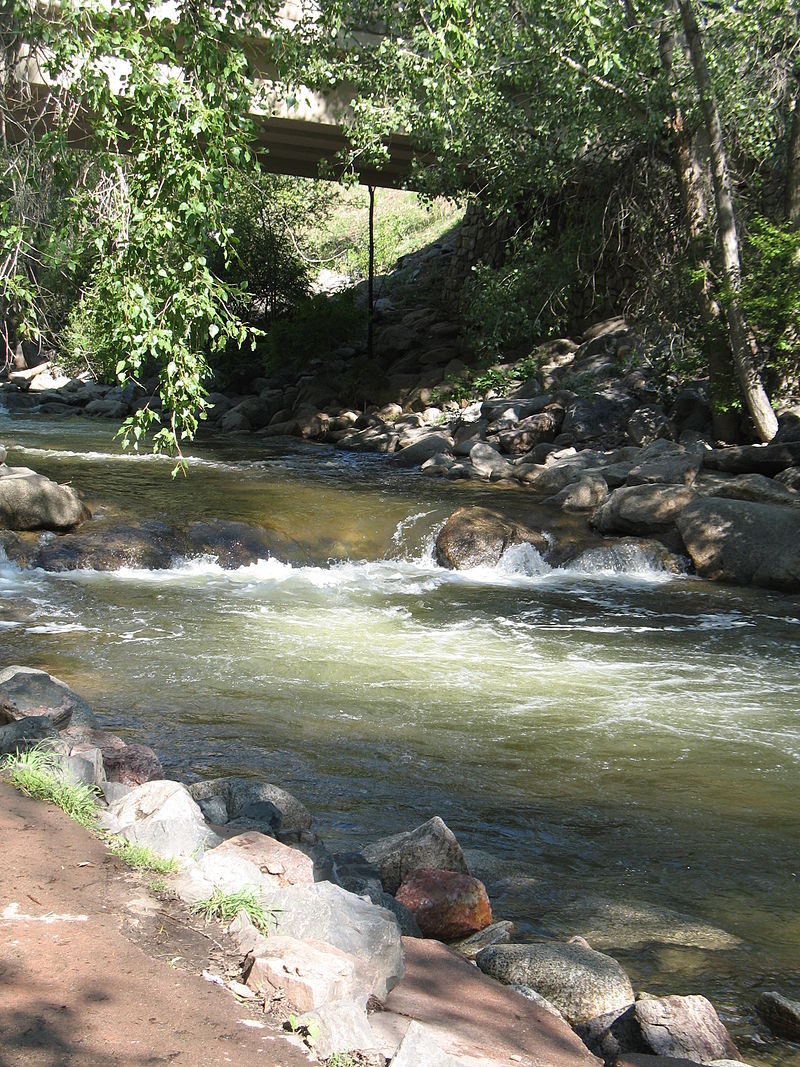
590	454
390	950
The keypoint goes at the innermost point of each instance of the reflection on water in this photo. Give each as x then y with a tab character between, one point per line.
620	749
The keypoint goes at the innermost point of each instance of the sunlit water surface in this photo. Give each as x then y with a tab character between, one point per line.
620	749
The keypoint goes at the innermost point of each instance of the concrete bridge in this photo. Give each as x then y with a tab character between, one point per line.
293	137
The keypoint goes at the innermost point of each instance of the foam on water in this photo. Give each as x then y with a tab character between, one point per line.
629	560
137	457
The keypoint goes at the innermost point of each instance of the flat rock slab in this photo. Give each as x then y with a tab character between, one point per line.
473	1016
76	991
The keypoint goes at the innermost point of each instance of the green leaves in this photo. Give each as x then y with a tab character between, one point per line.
169	99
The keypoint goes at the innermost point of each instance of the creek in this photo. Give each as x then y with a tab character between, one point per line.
618	748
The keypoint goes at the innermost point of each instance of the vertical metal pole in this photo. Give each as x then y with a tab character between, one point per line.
371	289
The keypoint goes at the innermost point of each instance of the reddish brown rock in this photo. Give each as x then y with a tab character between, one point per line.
446	905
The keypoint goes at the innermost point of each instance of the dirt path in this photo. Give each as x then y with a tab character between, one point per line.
74	990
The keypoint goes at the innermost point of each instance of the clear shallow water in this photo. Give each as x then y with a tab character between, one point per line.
622	750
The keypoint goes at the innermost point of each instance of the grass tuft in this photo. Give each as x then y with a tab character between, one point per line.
140	857
37	774
226	906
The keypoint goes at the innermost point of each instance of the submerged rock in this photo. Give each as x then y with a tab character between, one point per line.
780	1014
149	545
238	544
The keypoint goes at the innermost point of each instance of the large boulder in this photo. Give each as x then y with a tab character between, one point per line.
475	1018
162	816
642	509
742	542
29	501
340	1026
754	459
488	463
419	1046
34	692
326	912
691	411
353	872
601	417
584	495
250	804
423	448
432	844
684	1027
531	431
578	981
477	537
679	468
754	487
446	905
649	423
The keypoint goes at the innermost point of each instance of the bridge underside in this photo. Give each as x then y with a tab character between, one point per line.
301	148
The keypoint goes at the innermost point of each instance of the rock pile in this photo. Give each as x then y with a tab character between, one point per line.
587	437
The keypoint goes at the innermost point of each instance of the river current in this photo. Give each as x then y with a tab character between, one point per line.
618	749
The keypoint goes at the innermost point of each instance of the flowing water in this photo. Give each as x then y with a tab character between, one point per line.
619	749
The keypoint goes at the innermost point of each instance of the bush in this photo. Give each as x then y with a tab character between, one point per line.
312	329
771	300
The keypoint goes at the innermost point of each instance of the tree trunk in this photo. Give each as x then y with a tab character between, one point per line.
792	201
371	277
689	173
758	405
